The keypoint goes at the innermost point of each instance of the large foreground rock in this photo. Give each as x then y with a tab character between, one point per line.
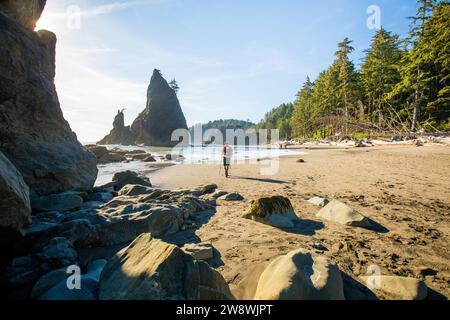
299	275
34	135
396	287
149	269
154	126
15	211
275	211
339	212
27	12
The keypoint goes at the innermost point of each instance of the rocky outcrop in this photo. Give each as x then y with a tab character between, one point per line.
120	134
153	126
15	210
34	135
149	269
162	115
299	275
27	12
275	211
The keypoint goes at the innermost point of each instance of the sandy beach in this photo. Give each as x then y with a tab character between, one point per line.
405	189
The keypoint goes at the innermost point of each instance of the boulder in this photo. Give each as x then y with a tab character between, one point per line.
88	291
27	12
231	197
48	281
299	275
149	269
121	179
98	151
339	212
275	211
111	157
120	134
161	117
319	201
15	210
57	202
199	251
34	135
396	287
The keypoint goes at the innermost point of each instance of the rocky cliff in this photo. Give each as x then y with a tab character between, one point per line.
34	135
27	12
154	125
162	115
120	134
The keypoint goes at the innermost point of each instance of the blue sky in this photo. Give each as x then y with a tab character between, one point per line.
232	58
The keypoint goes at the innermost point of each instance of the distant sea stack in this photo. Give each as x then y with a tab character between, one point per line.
162	115
34	135
120	134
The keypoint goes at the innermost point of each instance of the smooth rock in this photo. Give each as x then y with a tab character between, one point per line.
339	212
48	281
200	251
299	275
149	269
231	197
319	201
398	287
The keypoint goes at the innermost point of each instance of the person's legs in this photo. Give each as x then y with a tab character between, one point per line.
226	170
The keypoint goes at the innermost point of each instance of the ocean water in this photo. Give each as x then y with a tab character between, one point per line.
189	155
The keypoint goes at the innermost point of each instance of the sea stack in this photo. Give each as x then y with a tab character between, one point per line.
34	135
162	115
120	134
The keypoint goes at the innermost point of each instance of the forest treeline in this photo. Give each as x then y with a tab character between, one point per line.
402	85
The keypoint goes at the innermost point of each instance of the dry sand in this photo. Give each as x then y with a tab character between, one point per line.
405	189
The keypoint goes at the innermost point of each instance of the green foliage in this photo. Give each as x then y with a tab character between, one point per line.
279	118
402	85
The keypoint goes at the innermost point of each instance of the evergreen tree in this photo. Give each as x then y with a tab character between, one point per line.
380	74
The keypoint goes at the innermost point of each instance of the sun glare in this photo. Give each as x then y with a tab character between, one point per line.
45	22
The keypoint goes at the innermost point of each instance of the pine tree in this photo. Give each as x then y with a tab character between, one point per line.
174	85
380	74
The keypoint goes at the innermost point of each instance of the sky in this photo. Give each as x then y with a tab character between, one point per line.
231	58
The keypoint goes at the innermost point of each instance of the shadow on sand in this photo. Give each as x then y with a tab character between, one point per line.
258	179
305	227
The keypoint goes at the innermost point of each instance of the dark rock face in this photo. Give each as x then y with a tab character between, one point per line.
120	134
34	135
154	125
162	115
27	12
15	210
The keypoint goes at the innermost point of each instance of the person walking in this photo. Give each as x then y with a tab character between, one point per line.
227	154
